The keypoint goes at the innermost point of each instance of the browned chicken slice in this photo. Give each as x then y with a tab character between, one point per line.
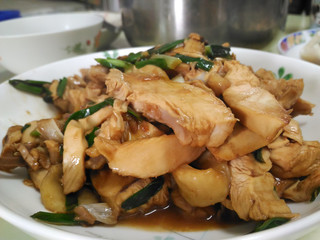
302	107
304	190
252	190
193	46
108	184
8	158
115	189
150	157
287	92
197	212
240	142
295	160
257	109
216	82
293	131
197	117
196	184
74	144
237	74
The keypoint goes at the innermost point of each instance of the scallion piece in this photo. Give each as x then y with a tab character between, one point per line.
200	62
35	133
114	63
152	61
214	51
90	136
270	223
315	194
71	201
89	110
141	197
28	86
56	218
62	86
258	155
134	113
171	62
165	47
34	87
134	57
25	127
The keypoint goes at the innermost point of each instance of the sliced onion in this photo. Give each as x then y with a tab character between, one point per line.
102	212
49	129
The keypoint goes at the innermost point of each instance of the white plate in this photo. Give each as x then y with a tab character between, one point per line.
292	44
18	202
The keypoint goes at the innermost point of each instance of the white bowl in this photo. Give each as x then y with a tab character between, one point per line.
29	42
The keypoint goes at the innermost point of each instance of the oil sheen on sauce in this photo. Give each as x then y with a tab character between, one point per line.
171	219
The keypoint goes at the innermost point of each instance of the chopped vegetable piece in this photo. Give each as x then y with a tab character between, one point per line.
56	218
270	223
134	57
159	62
165	47
214	51
258	155
34	87
134	114
114	63
88	111
201	63
71	201
91	110
172	62
61	149
315	194
90	137
141	197
35	133
25	127
62	86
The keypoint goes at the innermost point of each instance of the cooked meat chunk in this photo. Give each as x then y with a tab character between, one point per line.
216	82
197	117
240	142
9	159
257	109
193	46
287	92
157	155
197	212
252	190
293	131
238	74
108	185
114	189
294	160
302	107
304	190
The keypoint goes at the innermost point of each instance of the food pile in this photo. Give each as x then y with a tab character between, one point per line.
183	124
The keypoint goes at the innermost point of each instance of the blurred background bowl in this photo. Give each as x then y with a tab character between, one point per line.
29	42
241	22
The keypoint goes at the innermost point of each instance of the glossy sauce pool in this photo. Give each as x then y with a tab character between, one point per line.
171	219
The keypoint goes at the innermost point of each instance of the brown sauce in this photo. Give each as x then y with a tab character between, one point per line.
171	219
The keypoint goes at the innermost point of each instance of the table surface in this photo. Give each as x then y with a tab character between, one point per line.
294	23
